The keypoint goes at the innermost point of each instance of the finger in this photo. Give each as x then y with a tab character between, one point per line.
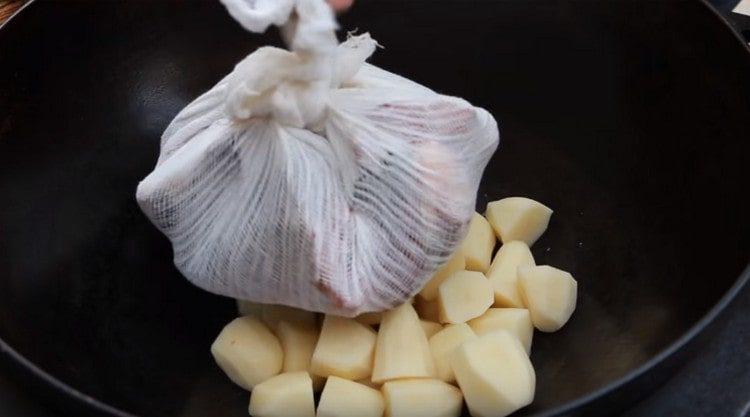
340	5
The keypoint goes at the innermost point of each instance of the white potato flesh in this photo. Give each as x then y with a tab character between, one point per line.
344	398
272	314
421	398
455	263
369	383
298	342
503	273
249	308
442	345
247	352
285	395
517	321
463	296
494	374
549	294
478	245
402	349
369	319
518	218
345	349
428	310
430	327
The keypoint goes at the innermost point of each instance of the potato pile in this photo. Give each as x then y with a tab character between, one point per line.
465	337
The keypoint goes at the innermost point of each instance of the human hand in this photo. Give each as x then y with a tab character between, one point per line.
340	5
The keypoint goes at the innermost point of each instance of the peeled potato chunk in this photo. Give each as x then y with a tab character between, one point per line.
518	218
343	398
402	350
285	395
298	343
428	310
421	398
369	383
463	296
430	327
249	308
503	273
456	263
517	321
549	294
495	374
247	352
345	349
478	245
442	345
273	314
369	319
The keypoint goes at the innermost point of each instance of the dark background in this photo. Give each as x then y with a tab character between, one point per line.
715	383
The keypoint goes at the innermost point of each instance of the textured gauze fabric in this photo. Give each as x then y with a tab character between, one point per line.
309	178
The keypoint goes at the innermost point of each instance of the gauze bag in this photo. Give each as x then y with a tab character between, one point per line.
310	178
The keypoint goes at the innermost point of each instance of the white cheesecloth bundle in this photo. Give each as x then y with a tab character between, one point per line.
312	179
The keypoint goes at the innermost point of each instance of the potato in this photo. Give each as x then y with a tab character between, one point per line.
517	321
421	398
298	343
369	319
272	314
549	294
503	273
428	310
455	263
518	218
285	395
494	373
343	398
247	352
345	349
463	296
442	345
249	308
402	350
478	245
369	383
430	327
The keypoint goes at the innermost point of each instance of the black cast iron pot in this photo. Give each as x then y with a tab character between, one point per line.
630	118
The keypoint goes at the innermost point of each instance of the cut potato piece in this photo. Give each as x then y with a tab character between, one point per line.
463	296
518	218
343	398
272	314
503	273
421	398
517	321
478	245
430	327
428	310
402	350
345	349
455	263
495	374
249	308
285	395
247	352
442	345
298	343
550	295
369	319
369	383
